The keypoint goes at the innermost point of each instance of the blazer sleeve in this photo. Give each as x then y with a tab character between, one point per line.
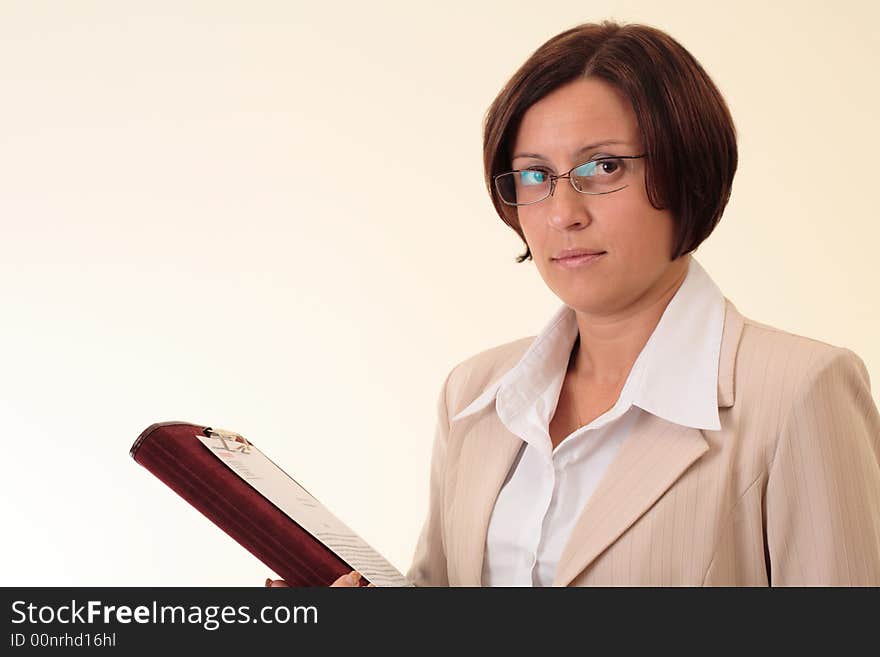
429	562
823	486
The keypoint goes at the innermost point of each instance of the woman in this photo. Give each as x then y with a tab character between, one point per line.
650	434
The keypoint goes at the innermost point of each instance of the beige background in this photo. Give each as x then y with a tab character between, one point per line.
270	217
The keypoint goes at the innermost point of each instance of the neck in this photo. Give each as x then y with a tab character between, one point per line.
608	345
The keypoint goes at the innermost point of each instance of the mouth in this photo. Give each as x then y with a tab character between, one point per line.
578	259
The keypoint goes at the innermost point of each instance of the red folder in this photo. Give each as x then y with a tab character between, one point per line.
171	451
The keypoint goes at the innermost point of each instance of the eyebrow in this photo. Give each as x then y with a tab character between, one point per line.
606	142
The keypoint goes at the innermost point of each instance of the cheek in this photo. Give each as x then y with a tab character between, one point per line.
535	236
644	235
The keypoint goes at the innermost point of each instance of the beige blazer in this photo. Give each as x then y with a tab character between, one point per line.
787	492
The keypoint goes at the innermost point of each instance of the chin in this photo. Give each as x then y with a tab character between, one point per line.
588	304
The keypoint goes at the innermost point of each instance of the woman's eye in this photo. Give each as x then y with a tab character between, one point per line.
603	167
609	166
532	177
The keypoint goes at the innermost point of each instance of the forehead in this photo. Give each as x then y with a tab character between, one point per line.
584	111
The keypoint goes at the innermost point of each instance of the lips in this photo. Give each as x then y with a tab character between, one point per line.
578	258
576	253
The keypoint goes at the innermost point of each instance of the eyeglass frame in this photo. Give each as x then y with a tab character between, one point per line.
554	178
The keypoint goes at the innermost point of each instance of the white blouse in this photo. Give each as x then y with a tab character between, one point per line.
675	377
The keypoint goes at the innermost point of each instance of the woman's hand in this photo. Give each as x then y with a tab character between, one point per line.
276	582
349	579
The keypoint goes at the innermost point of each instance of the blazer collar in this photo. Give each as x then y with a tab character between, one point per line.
652	458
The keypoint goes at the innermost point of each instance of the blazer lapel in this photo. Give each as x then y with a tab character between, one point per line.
650	460
486	457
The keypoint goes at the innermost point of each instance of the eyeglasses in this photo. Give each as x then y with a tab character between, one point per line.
600	176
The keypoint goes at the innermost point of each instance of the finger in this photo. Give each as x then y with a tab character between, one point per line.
349	579
277	583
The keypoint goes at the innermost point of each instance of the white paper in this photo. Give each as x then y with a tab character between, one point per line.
280	488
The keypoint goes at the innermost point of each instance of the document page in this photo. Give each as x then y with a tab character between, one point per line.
283	491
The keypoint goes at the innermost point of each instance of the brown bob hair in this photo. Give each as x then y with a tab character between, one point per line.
686	127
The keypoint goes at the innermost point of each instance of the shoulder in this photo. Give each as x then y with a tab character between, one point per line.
474	374
794	356
780	367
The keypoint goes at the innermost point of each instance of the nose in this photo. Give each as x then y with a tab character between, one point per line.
567	207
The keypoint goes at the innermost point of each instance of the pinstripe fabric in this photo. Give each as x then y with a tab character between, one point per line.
787	492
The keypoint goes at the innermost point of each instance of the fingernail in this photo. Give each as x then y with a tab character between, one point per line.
354	577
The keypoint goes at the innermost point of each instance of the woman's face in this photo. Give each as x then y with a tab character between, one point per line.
636	238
